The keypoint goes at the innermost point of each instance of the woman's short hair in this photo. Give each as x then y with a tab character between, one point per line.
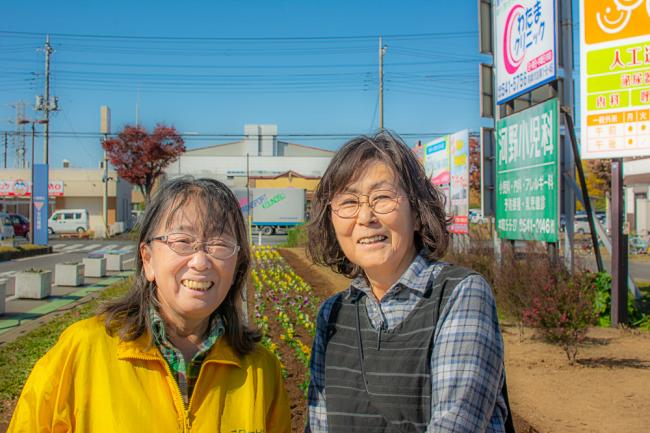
218	212
426	201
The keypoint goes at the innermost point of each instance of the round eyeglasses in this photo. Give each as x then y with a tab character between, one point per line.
185	245
347	205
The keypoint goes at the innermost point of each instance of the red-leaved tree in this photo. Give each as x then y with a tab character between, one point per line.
140	157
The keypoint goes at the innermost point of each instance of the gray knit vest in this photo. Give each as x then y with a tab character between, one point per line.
379	380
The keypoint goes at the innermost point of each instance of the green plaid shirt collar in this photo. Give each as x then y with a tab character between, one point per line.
185	375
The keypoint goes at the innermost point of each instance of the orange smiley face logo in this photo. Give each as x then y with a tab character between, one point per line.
611	20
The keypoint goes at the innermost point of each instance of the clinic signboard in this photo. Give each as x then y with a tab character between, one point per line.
528	190
459	181
614	78
525	47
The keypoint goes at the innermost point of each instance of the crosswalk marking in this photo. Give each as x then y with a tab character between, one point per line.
91	247
72	248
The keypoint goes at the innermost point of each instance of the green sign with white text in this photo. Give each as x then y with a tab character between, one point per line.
528	187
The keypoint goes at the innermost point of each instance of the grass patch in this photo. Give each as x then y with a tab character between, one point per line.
23	247
18	357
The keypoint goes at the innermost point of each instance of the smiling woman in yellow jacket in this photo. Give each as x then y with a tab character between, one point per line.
173	354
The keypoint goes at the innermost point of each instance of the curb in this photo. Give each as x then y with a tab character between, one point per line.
20	253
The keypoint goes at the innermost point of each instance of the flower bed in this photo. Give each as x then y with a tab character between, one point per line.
285	309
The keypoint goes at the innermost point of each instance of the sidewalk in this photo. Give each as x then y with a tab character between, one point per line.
24	315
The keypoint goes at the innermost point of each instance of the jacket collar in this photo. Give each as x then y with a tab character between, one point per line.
142	348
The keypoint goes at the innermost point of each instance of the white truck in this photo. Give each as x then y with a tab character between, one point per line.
273	210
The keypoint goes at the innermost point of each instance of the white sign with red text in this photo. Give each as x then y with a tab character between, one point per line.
23	188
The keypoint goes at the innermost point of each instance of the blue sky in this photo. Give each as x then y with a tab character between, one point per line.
208	68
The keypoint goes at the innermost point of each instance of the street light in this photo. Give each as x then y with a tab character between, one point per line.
31	193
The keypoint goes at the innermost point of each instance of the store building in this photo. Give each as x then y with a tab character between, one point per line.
637	195
258	155
72	188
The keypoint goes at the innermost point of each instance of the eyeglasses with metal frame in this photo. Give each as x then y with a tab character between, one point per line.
347	205
185	245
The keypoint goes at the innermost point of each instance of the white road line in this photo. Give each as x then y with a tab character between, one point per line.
110	247
127	248
91	247
7	274
71	248
57	247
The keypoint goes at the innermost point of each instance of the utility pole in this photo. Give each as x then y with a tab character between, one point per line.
248	199
105	129
19	137
382	51
46	138
5	153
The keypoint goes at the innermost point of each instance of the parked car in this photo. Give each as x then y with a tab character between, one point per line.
581	224
6	227
68	221
21	225
475	216
637	245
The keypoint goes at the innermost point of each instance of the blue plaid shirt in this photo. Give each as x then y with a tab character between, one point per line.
467	359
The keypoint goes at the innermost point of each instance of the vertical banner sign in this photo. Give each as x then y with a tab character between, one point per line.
528	187
614	78
40	204
525	52
459	181
436	165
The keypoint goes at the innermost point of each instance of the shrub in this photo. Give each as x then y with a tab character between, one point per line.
602	285
562	308
297	236
531	288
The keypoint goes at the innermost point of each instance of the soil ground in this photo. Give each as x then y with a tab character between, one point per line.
607	391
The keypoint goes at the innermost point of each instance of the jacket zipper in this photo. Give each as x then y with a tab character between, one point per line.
187	425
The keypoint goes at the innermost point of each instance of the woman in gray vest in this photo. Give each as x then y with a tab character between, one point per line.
413	344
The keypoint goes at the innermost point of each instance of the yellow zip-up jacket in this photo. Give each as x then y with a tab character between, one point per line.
93	382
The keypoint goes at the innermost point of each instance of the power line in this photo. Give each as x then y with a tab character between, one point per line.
257	39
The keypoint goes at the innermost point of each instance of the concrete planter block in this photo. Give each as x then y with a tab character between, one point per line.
3	295
33	284
114	261
95	266
69	274
11	242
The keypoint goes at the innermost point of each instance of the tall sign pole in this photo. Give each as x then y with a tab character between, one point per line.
567	160
619	244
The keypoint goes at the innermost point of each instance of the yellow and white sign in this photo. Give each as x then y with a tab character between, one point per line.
615	78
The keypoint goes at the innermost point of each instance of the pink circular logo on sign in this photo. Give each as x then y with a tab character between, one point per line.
514	39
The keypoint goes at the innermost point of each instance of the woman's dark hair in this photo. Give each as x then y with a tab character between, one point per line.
426	201
218	212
